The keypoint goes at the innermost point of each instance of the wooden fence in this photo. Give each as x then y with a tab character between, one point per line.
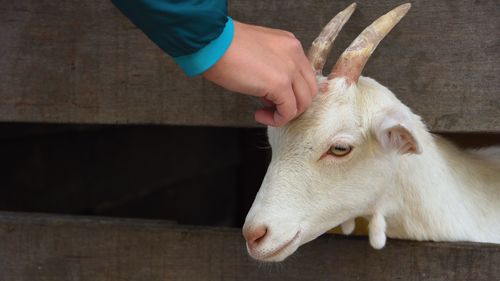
83	62
43	247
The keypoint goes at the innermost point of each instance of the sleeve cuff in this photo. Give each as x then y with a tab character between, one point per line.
200	61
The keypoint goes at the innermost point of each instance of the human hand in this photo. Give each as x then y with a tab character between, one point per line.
270	64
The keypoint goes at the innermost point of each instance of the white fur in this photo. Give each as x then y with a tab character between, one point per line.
407	182
348	226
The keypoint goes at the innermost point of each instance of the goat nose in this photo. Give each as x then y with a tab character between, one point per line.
254	235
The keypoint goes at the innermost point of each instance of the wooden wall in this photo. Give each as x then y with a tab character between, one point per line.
47	248
83	62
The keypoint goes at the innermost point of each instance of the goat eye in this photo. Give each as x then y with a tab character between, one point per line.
340	149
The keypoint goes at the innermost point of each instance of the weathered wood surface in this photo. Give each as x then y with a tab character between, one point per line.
43	247
82	61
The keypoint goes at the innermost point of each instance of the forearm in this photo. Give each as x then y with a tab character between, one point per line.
253	60
183	29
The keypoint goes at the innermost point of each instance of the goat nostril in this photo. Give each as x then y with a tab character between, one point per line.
255	235
260	235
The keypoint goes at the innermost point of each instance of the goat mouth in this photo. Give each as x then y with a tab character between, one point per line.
281	248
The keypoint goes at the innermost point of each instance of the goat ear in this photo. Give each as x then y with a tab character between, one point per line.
395	131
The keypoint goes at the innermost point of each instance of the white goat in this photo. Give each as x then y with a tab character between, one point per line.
359	152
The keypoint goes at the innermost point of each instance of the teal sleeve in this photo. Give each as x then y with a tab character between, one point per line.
196	33
206	57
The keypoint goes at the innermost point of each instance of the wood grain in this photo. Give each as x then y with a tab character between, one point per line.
45	247
83	62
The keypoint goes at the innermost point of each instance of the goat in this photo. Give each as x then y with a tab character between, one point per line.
359	152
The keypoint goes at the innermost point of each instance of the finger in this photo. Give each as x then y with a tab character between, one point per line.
302	93
267	102
309	75
285	109
265	116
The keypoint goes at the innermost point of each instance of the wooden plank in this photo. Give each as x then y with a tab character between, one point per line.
83	62
45	247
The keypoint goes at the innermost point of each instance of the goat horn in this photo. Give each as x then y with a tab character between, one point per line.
353	60
322	45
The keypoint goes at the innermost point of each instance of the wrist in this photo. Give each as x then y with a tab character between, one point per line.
202	60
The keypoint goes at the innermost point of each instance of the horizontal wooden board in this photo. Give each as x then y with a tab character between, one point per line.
83	62
46	247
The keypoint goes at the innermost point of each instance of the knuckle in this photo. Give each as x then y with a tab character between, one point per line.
282	82
292	65
296	45
289	34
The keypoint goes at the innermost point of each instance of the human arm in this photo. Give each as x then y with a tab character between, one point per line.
253	60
